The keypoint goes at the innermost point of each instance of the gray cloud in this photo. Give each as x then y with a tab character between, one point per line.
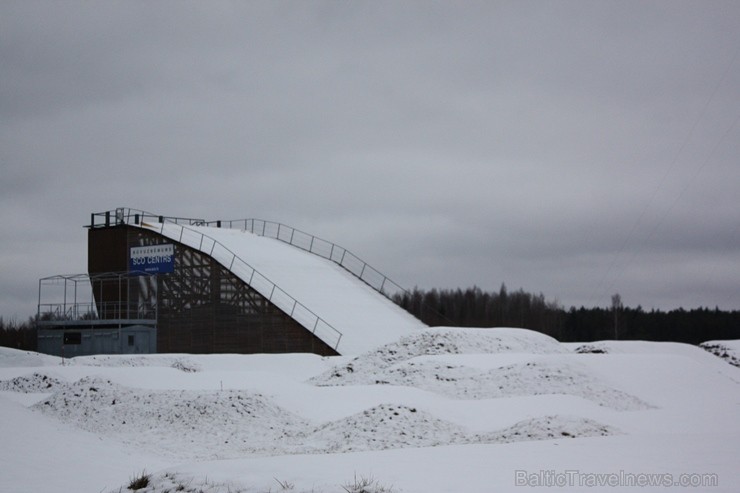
575	148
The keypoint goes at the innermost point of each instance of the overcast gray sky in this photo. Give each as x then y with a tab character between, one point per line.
573	148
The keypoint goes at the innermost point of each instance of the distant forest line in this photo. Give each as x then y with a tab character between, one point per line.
18	335
474	307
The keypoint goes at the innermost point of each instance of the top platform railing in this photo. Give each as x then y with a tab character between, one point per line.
125	215
287	234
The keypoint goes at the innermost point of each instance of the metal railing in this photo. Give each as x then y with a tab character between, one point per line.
126	215
287	234
317	246
85	297
51	313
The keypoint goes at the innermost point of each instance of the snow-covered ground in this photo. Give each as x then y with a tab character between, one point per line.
438	410
728	350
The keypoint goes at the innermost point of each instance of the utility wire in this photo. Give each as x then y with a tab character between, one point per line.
681	194
599	294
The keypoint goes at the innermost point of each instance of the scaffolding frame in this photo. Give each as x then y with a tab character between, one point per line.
85	299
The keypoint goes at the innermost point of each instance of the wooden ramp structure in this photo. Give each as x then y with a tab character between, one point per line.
245	286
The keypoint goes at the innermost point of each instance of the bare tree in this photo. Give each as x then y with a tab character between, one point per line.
616	308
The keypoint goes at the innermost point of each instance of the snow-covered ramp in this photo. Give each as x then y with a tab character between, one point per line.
336	306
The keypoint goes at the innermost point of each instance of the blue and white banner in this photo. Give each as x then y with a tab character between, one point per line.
153	259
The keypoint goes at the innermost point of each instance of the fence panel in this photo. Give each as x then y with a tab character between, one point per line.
372	277
282	300
269	229
304	316
301	240
327	333
262	284
352	264
322	248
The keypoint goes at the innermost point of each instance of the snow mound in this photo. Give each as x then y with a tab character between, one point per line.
398	364
383	427
178	362
389	426
229	424
727	350
192	424
521	379
10	358
550	428
437	341
36	383
591	349
648	348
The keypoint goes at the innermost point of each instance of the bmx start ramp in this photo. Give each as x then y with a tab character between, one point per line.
335	305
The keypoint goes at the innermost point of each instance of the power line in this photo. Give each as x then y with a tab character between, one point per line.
680	194
597	293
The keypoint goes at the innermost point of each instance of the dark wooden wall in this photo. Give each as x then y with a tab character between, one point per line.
107	252
201	306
